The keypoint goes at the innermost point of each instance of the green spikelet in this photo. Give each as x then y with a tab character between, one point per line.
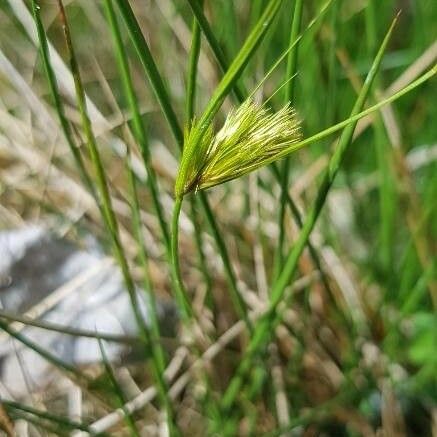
251	137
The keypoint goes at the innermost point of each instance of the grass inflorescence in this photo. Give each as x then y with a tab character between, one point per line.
251	136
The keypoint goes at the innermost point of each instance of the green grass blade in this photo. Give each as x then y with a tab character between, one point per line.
352	119
335	23
291	70
333	167
181	294
67	330
192	71
289	93
157	352
51	77
149	65
212	41
71	371
150	296
62	421
235	294
190	112
138	126
130	422
387	189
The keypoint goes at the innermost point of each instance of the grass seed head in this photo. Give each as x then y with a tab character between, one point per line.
251	137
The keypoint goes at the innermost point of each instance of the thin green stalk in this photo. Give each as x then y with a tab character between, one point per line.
199	240
149	65
74	373
387	198
387	191
335	27
278	61
51	77
189	110
235	294
313	253
215	46
352	119
150	296
130	422
50	326
264	326
225	15
59	420
288	97
181	294
158	355
192	71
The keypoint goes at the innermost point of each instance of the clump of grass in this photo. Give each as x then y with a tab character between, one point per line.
271	343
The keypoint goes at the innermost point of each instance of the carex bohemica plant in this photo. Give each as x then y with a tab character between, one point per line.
277	327
251	137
